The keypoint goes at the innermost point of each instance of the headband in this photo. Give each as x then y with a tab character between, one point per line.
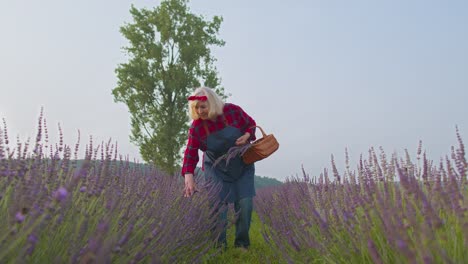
200	98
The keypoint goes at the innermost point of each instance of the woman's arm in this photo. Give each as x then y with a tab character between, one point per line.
248	124
190	185
190	162
191	152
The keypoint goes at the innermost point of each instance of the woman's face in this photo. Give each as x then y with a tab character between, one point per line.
202	109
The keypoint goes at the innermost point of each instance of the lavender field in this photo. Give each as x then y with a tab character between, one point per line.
389	210
105	209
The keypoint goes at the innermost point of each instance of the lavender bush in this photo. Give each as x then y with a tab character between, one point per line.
103	209
390	210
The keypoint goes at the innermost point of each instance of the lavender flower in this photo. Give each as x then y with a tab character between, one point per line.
19	217
32	240
60	194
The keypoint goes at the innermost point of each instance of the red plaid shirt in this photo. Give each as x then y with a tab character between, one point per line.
235	117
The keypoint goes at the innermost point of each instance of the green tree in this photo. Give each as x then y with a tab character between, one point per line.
168	56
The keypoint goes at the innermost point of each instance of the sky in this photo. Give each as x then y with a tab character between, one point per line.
322	76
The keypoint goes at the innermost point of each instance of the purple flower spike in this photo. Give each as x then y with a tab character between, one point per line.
401	244
83	189
32	238
20	217
61	194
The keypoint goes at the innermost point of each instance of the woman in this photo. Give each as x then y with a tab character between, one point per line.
216	127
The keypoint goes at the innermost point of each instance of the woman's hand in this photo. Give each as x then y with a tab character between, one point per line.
243	139
190	186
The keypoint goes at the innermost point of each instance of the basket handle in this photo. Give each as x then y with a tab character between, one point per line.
263	132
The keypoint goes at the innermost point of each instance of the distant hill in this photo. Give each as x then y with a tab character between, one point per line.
259	181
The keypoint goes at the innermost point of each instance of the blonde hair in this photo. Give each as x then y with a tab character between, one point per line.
215	104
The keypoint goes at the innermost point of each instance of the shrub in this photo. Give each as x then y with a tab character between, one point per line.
104	210
388	211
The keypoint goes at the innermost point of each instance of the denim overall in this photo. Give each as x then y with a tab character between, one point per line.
236	180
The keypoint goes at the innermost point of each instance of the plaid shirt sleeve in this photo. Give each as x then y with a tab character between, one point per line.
235	114
191	152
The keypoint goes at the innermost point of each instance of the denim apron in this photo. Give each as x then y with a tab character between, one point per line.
235	177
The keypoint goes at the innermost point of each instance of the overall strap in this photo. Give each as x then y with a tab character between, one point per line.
206	128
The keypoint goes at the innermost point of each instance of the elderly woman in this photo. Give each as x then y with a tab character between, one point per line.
216	127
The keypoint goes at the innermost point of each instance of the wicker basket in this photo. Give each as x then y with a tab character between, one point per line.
261	148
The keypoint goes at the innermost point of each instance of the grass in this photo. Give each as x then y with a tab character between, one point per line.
258	252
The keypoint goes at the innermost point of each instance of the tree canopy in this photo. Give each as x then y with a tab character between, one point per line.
169	54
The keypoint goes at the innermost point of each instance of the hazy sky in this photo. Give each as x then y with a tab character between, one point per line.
321	75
